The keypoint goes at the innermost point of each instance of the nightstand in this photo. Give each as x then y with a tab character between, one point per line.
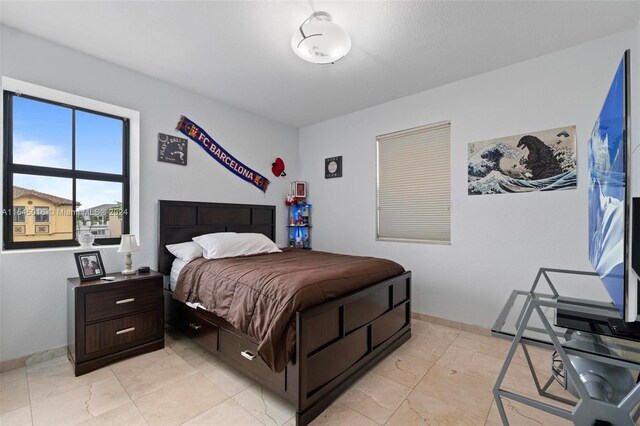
110	320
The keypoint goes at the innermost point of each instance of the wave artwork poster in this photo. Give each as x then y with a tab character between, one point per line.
537	161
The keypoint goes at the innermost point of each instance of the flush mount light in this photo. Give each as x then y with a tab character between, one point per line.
320	41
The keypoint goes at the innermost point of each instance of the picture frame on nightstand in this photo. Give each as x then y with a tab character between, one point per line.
90	266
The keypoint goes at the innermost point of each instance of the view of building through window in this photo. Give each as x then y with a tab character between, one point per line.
39	216
56	150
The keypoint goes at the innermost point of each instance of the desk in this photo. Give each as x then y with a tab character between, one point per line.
529	319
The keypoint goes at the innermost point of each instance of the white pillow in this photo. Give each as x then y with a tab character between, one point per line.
210	243
185	251
243	244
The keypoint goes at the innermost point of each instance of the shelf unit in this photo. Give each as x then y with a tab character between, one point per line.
299	226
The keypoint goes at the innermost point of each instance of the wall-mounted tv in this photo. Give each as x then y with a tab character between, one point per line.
610	197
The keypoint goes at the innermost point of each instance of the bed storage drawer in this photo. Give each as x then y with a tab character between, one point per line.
122	301
202	331
123	332
243	355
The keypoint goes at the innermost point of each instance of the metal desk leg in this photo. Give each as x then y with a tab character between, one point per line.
507	363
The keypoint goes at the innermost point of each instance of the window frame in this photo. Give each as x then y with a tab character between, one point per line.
9	169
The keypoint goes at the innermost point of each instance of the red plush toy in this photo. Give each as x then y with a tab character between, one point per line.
278	167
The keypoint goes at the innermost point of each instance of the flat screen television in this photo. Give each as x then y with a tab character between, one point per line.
609	198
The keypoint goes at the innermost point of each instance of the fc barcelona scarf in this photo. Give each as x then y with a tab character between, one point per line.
193	131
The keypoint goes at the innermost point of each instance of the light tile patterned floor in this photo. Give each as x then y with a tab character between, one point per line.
442	376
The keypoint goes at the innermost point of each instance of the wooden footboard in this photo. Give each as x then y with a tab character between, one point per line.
336	343
339	341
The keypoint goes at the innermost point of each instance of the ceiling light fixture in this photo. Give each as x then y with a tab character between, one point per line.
320	41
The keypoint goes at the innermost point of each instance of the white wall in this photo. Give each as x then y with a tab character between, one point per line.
33	286
498	241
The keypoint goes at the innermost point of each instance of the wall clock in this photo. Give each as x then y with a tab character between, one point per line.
333	167
172	149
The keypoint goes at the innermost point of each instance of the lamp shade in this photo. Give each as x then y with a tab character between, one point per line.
320	41
128	244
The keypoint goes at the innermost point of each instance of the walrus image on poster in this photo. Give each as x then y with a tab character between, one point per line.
536	161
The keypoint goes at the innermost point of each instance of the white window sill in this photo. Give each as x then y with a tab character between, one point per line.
55	249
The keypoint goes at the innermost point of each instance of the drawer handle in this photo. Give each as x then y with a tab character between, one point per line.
195	326
125	330
120	302
248	355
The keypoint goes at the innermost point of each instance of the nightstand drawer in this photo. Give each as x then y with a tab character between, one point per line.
122	332
122	301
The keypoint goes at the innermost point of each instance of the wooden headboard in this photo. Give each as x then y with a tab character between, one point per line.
182	220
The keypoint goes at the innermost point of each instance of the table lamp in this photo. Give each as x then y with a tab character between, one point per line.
128	245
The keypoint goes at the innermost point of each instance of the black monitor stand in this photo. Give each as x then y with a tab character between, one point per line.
607	326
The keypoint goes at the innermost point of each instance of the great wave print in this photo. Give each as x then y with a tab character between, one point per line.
537	161
607	191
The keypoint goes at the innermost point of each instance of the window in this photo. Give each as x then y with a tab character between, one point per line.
42	214
414	185
66	171
19	214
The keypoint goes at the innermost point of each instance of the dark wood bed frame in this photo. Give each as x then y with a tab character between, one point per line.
336	342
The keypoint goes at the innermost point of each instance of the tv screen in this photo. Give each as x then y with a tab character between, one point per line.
608	197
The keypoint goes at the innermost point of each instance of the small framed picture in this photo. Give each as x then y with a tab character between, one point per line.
89	265
299	189
172	149
333	167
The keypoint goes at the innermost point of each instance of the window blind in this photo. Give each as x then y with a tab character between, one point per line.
414	184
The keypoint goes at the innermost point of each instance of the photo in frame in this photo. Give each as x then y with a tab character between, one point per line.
90	266
299	189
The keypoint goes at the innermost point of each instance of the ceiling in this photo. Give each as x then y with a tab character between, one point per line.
239	52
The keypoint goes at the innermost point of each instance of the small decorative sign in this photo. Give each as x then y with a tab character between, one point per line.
333	167
172	149
299	189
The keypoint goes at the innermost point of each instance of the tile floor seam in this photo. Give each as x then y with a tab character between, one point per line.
202	412
247	411
141	413
209	408
425	374
363	414
128	395
26	377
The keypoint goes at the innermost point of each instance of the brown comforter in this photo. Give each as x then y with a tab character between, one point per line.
259	295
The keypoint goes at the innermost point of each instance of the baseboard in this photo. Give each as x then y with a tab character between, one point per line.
470	328
33	358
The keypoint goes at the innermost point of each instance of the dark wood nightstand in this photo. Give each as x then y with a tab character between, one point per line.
110	320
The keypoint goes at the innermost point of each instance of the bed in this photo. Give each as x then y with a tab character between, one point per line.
336	341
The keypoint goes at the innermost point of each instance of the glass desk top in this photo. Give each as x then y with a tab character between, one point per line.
597	329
